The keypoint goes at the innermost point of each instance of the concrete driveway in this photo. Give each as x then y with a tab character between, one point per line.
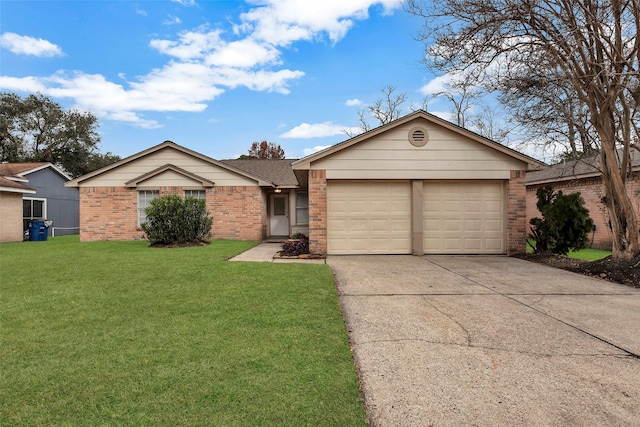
487	341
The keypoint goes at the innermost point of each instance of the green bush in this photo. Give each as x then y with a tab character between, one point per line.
171	220
565	222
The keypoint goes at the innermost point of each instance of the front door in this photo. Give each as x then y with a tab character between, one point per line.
279	215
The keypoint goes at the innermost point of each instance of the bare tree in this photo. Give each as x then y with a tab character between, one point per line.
591	45
543	104
384	110
461	93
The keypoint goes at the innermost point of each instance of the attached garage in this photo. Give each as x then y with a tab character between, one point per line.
369	217
417	185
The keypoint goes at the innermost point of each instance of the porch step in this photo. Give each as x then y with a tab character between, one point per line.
276	239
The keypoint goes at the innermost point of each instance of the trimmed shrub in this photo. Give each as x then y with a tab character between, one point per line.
565	222
173	220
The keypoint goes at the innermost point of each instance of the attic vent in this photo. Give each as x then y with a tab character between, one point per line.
418	136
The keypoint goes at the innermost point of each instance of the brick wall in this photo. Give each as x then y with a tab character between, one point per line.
239	213
108	213
318	211
516	213
11	217
591	190
111	213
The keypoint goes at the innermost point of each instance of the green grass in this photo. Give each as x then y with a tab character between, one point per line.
586	254
117	333
589	254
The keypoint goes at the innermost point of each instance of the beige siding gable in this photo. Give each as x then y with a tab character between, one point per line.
119	176
446	155
169	178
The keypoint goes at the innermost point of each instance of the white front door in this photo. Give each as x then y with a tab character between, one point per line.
279	215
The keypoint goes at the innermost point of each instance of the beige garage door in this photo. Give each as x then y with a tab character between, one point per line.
368	217
464	217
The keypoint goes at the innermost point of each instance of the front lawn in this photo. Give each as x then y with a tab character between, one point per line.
117	333
586	254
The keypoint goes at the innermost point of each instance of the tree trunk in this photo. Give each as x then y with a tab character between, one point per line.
622	216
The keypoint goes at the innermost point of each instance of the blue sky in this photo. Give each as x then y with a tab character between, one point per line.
213	76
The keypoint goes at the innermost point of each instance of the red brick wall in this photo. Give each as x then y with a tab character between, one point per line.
516	213
592	191
318	211
239	213
111	213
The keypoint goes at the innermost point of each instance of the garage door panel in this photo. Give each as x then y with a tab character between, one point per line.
463	217
368	217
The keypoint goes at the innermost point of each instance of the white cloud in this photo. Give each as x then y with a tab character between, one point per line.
308	151
317	130
185	2
436	85
25	45
172	20
204	63
282	22
353	102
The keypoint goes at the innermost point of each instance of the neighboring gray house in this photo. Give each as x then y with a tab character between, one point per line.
52	201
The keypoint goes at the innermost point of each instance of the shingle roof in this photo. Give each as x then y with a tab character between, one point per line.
13	169
581	168
278	171
14	186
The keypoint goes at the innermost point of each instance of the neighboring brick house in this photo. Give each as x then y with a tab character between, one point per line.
417	185
583	176
46	199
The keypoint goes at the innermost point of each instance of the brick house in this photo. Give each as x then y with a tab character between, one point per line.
263	199
417	185
584	176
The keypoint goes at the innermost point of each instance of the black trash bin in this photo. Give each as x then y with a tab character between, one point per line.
38	231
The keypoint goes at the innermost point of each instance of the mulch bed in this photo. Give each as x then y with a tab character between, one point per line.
623	271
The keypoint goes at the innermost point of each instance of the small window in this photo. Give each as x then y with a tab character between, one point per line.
302	208
279	205
32	210
196	194
145	197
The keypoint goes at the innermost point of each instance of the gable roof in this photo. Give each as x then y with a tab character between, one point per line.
172	145
15	186
278	171
575	169
168	167
305	162
22	169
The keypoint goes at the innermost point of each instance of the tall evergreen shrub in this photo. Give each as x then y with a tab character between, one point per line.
565	222
172	219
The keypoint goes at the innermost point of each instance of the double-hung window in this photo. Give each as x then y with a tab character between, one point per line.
196	194
145	197
33	210
302	208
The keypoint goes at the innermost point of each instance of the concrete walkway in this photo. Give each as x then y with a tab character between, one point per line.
265	252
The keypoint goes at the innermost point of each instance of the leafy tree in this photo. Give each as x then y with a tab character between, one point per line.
590	48
171	220
36	129
264	150
565	222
